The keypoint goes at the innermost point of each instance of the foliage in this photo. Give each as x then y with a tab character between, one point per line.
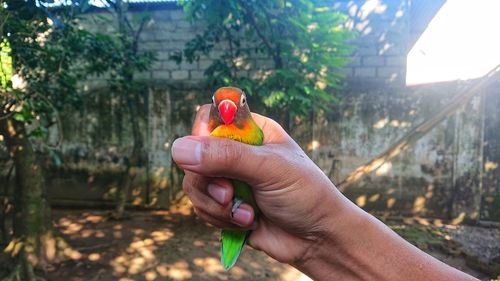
51	53
129	60
5	64
44	57
300	46
421	236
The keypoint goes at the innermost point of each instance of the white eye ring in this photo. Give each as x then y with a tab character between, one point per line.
243	100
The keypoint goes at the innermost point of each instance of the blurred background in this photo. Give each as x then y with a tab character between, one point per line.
395	100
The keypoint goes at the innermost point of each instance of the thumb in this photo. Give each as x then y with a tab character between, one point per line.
219	157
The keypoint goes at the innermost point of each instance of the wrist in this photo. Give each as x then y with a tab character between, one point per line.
357	246
332	256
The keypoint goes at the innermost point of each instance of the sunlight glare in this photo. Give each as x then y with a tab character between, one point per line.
210	265
459	219
94	257
490	166
418	204
381	123
459	43
384	169
292	274
361	201
313	145
150	275
391	202
177	271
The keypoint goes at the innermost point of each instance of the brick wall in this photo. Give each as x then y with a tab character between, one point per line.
383	29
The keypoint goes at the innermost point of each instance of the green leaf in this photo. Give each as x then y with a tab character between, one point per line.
19	117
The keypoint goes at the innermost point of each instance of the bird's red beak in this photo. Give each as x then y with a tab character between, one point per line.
227	110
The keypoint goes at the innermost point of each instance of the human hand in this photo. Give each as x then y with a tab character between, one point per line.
304	220
294	196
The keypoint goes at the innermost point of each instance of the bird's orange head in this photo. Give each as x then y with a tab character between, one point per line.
229	106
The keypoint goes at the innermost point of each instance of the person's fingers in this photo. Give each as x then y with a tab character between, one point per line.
236	222
243	216
194	186
214	195
221	190
212	220
273	132
203	202
218	157
200	125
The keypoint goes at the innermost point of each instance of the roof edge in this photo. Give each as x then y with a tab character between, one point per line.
142	7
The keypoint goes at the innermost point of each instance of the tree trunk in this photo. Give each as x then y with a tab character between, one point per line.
33	244
5	210
134	162
132	100
284	119
4	234
126	182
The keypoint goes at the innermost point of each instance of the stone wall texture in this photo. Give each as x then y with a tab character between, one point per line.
451	173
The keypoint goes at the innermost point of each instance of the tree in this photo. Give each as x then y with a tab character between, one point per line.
43	57
300	45
128	92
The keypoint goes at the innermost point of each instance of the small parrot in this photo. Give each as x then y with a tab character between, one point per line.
230	118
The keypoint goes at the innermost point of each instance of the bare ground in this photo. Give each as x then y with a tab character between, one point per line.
153	245
175	245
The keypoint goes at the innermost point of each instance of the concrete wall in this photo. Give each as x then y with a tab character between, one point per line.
450	173
422	179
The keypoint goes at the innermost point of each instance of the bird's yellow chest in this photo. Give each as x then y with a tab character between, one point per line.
250	134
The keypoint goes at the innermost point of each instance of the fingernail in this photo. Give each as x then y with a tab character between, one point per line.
242	216
218	193
187	151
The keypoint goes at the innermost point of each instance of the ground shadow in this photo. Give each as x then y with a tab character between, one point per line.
153	245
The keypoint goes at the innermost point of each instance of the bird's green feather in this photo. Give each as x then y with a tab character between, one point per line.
233	241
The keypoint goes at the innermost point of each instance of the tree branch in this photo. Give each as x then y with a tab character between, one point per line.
231	52
129	25
4	22
135	44
253	22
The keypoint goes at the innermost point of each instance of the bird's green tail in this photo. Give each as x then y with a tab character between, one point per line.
232	243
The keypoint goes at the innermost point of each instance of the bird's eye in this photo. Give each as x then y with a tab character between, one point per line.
243	100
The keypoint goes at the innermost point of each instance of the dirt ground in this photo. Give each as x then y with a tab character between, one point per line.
153	245
166	245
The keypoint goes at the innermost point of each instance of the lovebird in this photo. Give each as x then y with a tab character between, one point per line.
230	118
